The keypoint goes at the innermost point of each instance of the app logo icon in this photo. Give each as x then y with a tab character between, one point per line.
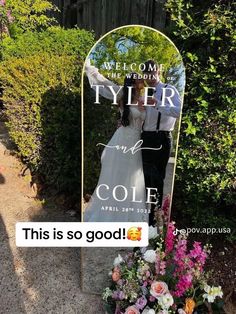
134	233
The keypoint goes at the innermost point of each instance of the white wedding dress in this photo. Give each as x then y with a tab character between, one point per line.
124	170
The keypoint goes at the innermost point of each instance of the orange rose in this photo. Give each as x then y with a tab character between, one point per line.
158	288
189	305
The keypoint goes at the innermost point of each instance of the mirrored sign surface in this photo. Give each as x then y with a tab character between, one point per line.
132	100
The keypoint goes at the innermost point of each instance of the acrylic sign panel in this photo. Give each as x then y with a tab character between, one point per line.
132	98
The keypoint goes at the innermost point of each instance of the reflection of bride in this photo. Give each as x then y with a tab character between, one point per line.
120	192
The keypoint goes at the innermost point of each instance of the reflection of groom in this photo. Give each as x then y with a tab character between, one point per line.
161	114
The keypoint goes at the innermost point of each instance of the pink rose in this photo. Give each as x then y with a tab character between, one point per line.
158	288
132	310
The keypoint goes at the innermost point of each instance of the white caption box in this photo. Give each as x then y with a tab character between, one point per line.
81	234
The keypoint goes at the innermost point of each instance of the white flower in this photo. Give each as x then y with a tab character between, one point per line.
147	310
212	293
118	260
181	311
150	256
165	301
152	232
163	312
106	294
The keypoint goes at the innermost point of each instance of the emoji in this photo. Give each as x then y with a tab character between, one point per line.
134	234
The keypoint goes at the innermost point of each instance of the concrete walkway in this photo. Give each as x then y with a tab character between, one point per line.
35	280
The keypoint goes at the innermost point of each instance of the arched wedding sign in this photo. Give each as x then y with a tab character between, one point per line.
132	97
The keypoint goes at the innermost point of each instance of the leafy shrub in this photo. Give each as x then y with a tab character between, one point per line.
60	156
30	15
205	176
42	102
55	40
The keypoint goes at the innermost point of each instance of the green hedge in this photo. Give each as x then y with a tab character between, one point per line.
55	40
205	177
42	102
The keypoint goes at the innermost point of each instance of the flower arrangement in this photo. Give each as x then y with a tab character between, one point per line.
166	277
